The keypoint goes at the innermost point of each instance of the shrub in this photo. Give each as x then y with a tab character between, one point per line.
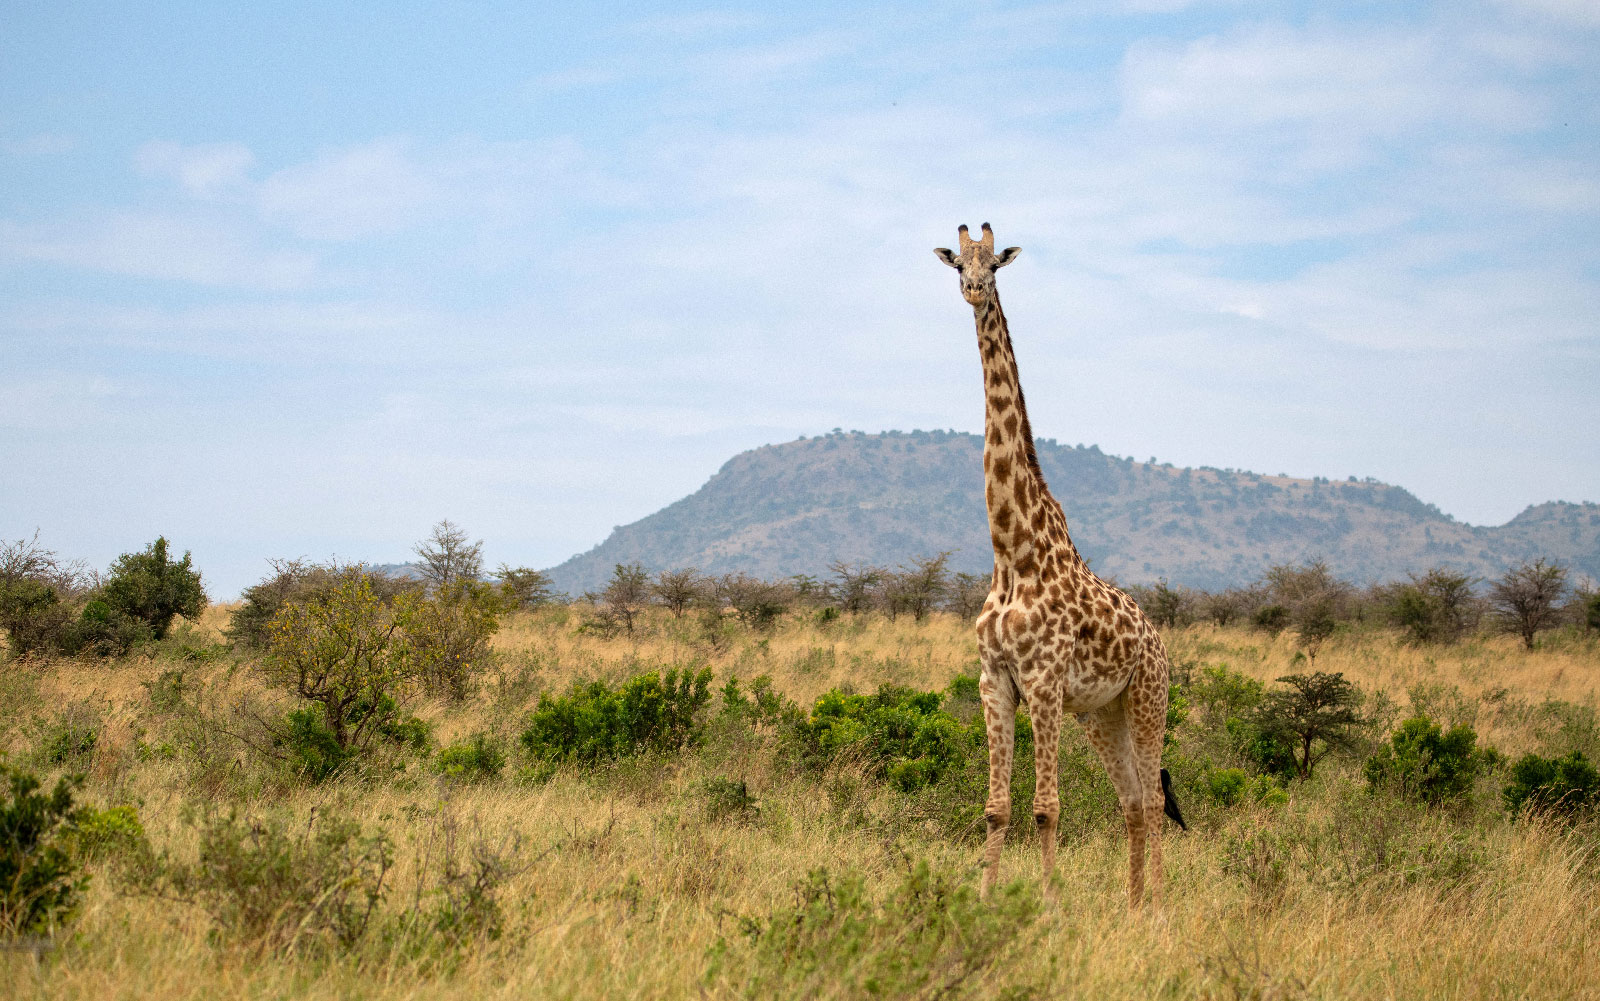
1436	607
277	889
755	602
39	881
35	586
456	897
1227	785
524	588
476	759
1273	619
1560	785
594	722
150	587
903	732
928	937
104	631
298	581
1424	762
765	706
449	634
114	830
344	649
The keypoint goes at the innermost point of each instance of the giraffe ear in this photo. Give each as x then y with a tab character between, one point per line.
946	255
1006	256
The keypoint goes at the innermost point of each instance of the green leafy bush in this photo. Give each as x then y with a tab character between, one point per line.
1424	762
152	588
114	830
477	759
928	937
283	888
1560	785
904	732
1227	785
39	881
595	722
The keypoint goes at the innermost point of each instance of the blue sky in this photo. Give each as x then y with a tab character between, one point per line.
305	281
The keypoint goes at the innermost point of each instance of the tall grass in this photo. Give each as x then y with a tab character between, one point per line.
624	885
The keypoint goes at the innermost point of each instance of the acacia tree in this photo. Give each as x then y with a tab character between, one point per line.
1318	711
678	590
968	592
448	556
854	585
918	587
1525	600
624	596
524	587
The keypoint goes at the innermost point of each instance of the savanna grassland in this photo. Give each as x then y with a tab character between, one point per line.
749	862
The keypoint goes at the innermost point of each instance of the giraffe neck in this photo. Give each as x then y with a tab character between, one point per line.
1025	522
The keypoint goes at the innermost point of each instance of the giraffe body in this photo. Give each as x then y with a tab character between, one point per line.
1052	636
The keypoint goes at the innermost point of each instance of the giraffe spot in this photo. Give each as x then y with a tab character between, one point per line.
1011	424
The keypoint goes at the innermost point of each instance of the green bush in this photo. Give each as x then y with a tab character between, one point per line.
285	887
39	881
150	587
928	937
33	615
477	759
114	830
764	707
1227	785
1560	785
903	732
312	749
103	630
1426	763
595	722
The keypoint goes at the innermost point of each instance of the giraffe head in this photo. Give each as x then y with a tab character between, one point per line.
976	263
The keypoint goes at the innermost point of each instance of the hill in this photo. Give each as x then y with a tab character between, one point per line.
884	498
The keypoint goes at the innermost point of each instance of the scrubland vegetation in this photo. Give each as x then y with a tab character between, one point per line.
354	785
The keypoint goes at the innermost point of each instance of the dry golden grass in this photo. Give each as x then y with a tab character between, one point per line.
626	886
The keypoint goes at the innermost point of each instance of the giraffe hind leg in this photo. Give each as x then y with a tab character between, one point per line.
1108	733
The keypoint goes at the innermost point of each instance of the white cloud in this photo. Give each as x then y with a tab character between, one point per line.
204	171
362	191
167	247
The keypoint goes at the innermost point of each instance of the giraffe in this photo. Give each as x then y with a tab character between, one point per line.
1052	635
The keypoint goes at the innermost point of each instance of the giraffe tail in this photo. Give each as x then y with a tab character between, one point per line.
1171	805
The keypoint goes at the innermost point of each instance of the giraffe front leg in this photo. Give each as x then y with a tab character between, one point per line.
999	697
1044	710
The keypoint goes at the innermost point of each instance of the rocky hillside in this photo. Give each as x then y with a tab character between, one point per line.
884	498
